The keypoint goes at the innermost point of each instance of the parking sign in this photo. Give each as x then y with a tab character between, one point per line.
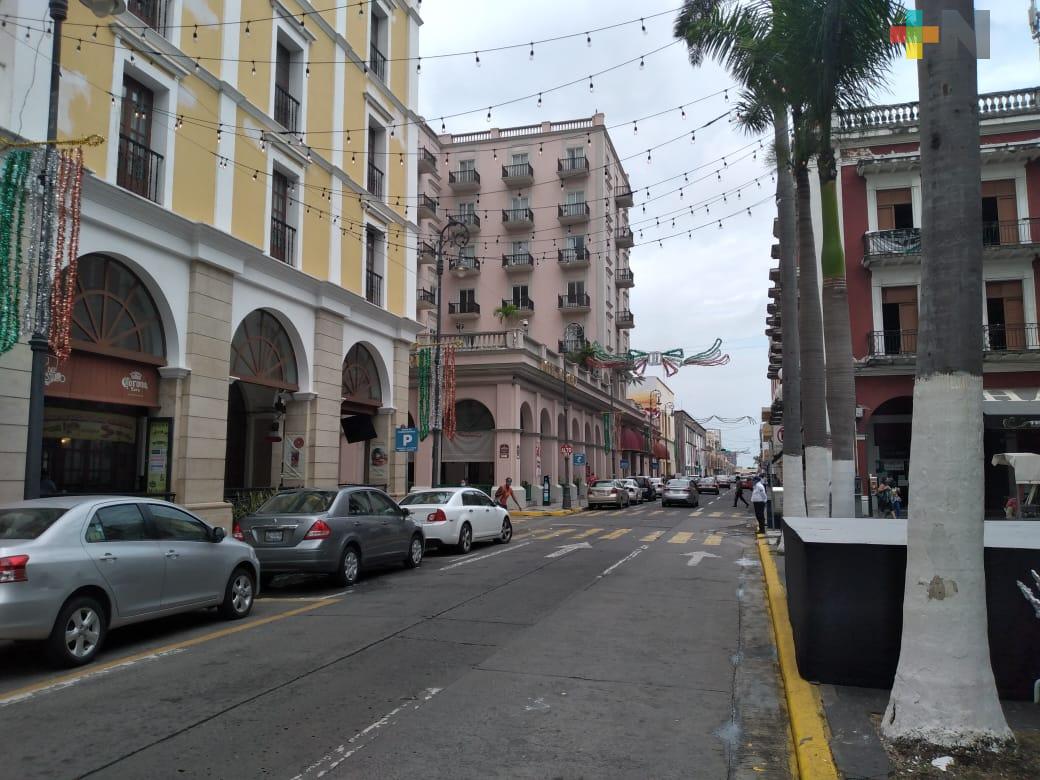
406	440
578	459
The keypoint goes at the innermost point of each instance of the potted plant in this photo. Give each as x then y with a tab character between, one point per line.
506	311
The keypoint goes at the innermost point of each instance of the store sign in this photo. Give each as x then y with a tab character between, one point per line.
102	379
377	462
1020	423
503	451
135	383
160	437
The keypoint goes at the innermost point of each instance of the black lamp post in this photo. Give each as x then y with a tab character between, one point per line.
567	477
59	12
455	234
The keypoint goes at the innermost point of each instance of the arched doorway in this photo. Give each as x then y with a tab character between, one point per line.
361	459
528	444
263	374
888	442
100	404
470	455
590	455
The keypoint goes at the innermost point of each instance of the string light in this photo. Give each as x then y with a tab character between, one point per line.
79	45
588	40
539	100
531	56
590	84
643	25
489	114
254	69
247	29
256	174
477	55
635	128
195	35
418	66
641	63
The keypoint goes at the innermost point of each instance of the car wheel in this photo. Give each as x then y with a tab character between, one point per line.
507	531
349	567
78	633
465	539
238	595
416	548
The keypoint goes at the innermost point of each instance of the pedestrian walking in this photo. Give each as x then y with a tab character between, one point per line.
758	499
897	502
738	493
504	493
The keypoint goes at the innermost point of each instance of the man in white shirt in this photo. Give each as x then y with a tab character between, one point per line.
758	500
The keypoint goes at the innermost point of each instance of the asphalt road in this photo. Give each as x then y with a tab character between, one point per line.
645	654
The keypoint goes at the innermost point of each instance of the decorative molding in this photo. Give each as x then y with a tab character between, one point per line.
174	372
153	46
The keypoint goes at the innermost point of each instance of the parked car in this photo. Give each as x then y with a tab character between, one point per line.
658	484
747	482
71	568
724	480
609	492
338	532
635	492
680	491
647	487
458	516
708	485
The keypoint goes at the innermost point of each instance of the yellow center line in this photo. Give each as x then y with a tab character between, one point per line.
682	537
652	537
586	534
714	540
94	669
616	534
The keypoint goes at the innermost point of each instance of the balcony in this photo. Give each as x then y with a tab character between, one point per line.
991	105
1009	239
427	255
576	257
464	310
518	262
623	197
467	218
624	277
139	169
1000	342
427	207
575	303
464	266
286	109
151	12
624	319
518	174
377	62
373	288
570	346
898	345
573	213
623	238
375	180
517	219
283	241
425	300
572	167
523	306
427	161
464	181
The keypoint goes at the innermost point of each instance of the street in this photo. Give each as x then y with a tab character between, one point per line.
632	643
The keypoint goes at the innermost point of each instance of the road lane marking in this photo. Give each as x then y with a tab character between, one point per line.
627	558
697	557
657	512
682	537
65	680
465	561
616	534
552	534
715	514
714	540
652	537
334	758
587	534
697	513
564	549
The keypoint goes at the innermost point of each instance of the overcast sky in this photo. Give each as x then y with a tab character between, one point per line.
687	292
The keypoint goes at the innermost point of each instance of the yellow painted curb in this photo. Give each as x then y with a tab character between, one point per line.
808	723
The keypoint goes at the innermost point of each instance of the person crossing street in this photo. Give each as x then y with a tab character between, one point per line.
738	492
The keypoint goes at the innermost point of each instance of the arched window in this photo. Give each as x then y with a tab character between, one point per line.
361	378
262	354
472	416
573	338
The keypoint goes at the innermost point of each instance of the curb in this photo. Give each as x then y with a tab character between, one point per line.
552	513
804	707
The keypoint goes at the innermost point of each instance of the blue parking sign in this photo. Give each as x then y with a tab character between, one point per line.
578	459
406	440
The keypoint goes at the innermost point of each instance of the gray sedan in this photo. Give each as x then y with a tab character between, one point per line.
333	532
73	567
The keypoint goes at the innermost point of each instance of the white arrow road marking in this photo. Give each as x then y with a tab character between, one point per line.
464	561
627	558
569	548
697	557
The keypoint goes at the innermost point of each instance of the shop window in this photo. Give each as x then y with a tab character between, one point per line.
262	354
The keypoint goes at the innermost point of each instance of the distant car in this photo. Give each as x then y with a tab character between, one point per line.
609	492
708	485
724	480
338	532
658	484
647	487
747	482
458	516
635	492
680	491
71	568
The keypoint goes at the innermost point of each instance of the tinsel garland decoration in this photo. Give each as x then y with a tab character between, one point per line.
712	356
423	360
437	411
449	391
13	195
63	288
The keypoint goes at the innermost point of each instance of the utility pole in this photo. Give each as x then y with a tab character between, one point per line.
613	428
566	439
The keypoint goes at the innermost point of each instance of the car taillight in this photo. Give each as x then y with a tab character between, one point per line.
437	517
12	568
613	491
320	530
236	531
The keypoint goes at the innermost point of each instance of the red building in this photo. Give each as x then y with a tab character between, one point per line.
880	194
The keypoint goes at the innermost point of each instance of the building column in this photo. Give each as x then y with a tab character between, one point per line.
323	430
15	368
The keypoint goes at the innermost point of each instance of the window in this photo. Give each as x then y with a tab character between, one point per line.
467	208
286	104
894	209
521	296
468	253
376	158
122	523
575	152
999	213
467	165
1005	315
519	158
574	242
575	197
575	291
151	12
521	203
467	298
470	498
373	266
378	42
139	168
381	505
283	234
175	525
359	504
899	319
27	522
521	247
298	502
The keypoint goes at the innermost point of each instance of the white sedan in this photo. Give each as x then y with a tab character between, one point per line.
458	516
634	491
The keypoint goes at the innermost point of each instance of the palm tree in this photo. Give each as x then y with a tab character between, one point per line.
739	38
506	311
946	696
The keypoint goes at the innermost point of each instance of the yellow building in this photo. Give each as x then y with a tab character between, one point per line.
247	253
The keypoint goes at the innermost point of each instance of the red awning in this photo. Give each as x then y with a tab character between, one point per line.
632	440
661	450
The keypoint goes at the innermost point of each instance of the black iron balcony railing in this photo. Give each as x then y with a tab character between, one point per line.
574	210
463	307
428	203
518	171
570	346
1011	338
892	342
377	62
572	164
623	236
286	109
573	255
518	260
517	215
1021	232
428	157
625	319
624	276
468	176
467	218
907	241
375	180
283	241
523	304
374	288
139	169
427	296
151	12
577	301
464	263
623	195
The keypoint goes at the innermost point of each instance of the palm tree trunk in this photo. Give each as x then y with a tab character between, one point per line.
810	325
945	695
794	478
837	334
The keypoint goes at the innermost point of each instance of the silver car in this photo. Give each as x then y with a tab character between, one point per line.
333	532
680	491
609	492
71	568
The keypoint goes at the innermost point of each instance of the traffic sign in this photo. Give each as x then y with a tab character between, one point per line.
406	440
566	449
778	435
579	458
623	464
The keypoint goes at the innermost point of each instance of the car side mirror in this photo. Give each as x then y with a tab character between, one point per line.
218	534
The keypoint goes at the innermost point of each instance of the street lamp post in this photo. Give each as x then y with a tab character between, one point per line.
59	12
457	235
566	439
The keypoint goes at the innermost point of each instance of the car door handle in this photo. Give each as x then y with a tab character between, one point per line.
173	554
357	523
109	558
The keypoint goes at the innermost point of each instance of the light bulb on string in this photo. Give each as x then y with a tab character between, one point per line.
718	175
539	148
590	84
683	110
179	124
588	40
539	100
254	69
643	25
725	95
648	158
79	45
195	35
92	35
635	128
642	64
307	70
477	55
247	29
256	174
489	114
443	127
720	224
749	211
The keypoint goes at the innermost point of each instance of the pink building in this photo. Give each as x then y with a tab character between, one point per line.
546	206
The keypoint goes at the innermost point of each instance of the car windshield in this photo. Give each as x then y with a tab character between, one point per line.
679	483
604	483
27	522
428	497
301	502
